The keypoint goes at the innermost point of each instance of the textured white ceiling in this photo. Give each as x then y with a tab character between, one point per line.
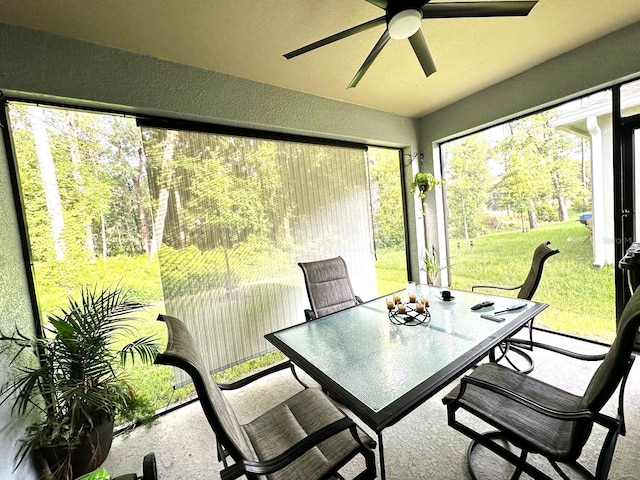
247	38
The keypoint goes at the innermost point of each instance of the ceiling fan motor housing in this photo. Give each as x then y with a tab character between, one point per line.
394	7
403	18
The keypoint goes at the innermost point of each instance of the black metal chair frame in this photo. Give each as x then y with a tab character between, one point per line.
226	447
612	373
615	426
312	313
527	290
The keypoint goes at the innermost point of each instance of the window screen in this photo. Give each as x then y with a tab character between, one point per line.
234	215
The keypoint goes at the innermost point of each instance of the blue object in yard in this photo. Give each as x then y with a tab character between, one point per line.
584	217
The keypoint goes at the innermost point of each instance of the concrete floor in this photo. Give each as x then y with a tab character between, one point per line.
421	446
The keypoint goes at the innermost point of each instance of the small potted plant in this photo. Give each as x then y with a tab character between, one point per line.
74	386
423	182
432	266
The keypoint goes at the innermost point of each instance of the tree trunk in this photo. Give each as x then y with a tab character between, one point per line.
563	215
49	179
142	215
533	219
103	230
182	228
466	227
584	174
166	173
74	151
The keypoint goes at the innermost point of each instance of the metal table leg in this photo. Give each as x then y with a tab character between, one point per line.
383	474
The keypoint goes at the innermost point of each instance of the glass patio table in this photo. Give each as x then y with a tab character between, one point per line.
382	371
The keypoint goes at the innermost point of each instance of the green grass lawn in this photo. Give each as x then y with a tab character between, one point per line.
391	270
581	298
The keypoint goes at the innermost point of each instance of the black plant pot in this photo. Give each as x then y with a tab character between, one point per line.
85	458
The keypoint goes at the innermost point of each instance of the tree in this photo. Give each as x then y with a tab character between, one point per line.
49	178
129	233
388	222
166	172
534	158
468	184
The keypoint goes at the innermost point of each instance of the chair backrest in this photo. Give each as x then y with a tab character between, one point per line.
181	352
530	285
614	366
328	286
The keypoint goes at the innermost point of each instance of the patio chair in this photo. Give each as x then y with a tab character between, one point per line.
328	287
526	291
306	436
539	418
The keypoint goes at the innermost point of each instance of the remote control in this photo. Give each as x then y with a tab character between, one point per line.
493	318
481	305
517	306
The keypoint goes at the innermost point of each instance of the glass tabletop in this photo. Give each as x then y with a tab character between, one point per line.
378	362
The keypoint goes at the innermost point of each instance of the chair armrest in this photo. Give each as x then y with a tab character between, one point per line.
552	348
256	376
294	452
584	414
473	288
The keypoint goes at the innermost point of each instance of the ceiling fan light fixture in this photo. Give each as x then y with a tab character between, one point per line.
404	23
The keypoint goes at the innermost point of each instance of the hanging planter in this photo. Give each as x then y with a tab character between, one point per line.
423	182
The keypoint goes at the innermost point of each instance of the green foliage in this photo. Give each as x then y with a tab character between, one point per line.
79	381
97	169
188	270
546	211
468	186
423	182
57	280
388	222
538	164
431	266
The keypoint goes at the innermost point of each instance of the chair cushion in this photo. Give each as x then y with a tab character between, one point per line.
291	421
538	432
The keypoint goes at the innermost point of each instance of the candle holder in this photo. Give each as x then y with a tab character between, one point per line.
410	317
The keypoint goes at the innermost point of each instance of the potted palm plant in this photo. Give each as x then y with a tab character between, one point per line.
75	386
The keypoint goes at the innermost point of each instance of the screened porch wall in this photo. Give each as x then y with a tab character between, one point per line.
239	214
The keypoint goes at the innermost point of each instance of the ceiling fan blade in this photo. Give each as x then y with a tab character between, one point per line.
338	36
422	52
379	3
370	58
477	9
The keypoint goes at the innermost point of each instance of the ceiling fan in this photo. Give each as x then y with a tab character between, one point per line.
403	19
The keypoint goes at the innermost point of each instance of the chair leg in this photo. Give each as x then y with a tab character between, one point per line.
505	348
527	358
222	453
493	436
369	472
606	455
295	375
